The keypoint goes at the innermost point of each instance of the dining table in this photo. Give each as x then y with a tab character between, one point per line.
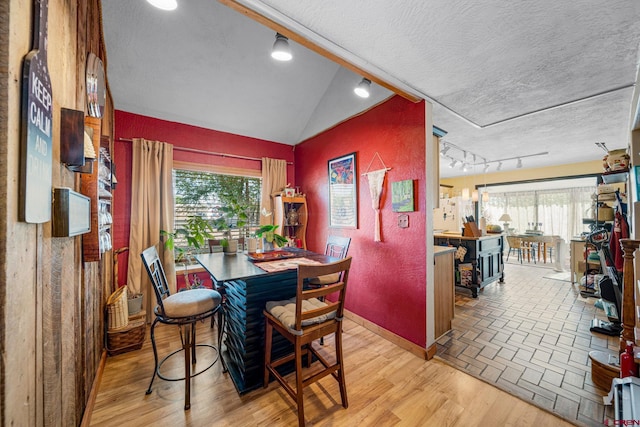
556	241
247	281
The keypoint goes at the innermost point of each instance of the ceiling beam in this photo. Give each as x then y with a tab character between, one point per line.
315	47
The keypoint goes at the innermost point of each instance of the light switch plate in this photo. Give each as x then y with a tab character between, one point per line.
403	221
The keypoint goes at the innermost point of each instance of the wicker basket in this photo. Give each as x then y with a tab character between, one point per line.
117	309
127	339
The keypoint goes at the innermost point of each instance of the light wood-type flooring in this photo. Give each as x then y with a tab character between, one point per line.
387	386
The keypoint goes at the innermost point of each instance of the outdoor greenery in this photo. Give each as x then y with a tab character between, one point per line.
211	206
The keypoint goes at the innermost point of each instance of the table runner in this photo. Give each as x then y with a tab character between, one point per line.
285	264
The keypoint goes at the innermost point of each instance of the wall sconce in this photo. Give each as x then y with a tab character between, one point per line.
362	90
281	50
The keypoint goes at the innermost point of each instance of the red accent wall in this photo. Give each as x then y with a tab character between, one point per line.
129	125
387	282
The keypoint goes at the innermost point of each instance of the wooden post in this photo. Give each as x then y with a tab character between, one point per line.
628	315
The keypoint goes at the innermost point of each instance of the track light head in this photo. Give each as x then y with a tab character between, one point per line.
281	50
499	166
453	163
519	164
362	90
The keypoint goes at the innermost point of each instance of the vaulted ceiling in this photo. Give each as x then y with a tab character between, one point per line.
506	79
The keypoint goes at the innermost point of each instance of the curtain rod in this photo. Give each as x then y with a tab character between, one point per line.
211	153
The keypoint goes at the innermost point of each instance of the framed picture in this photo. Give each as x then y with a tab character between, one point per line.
402	196
343	192
289	192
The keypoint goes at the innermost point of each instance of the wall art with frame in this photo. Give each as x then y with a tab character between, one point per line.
343	192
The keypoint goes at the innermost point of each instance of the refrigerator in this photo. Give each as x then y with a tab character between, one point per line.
448	217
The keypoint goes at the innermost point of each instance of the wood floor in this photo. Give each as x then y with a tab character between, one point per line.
387	386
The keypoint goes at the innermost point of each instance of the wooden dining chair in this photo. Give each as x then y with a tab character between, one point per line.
528	249
182	309
545	248
336	247
303	319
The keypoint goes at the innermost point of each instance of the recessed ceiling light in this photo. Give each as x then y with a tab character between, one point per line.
164	4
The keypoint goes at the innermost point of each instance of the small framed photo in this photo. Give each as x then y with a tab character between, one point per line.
289	192
402	196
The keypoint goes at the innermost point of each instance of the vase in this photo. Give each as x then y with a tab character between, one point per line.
231	248
134	305
267	246
292	217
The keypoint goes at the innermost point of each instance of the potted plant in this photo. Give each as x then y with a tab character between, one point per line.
270	237
196	231
134	302
233	215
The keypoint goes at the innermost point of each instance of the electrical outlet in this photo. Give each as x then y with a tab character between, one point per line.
403	221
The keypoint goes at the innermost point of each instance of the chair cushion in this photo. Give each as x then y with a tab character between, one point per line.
325	280
285	311
191	303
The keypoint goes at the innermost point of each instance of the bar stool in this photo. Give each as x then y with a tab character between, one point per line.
182	309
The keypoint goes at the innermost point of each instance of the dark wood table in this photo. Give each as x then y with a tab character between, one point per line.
247	289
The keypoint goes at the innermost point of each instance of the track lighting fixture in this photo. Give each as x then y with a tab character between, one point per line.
281	50
362	90
468	159
164	4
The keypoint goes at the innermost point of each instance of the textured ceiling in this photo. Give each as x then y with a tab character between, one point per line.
506	79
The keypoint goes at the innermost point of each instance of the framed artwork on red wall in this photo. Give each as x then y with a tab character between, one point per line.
343	192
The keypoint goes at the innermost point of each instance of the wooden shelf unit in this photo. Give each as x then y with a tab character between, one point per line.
298	231
98	189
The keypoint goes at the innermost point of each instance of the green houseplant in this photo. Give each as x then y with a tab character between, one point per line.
196	231
233	215
270	237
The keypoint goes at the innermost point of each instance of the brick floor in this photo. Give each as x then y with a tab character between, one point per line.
530	337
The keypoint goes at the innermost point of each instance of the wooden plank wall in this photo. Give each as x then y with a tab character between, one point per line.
51	302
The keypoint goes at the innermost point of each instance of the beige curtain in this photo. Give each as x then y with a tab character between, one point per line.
151	211
274	179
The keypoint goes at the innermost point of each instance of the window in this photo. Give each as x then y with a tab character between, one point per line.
201	192
556	207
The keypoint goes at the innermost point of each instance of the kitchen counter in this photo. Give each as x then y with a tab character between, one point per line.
482	263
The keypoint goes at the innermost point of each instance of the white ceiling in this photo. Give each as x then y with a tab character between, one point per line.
506	79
